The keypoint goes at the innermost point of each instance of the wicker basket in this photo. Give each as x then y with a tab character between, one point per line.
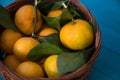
81	73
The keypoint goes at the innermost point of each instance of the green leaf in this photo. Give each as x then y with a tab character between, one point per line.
43	50
75	12
57	22
54	39
57	5
45	7
65	17
53	22
70	61
88	52
6	20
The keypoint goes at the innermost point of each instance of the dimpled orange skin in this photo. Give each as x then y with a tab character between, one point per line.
50	66
23	46
11	62
77	35
47	31
7	39
30	69
55	13
24	19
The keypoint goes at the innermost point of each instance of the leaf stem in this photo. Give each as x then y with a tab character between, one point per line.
66	6
73	22
35	19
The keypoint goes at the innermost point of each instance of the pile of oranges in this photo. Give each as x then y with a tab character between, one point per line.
75	35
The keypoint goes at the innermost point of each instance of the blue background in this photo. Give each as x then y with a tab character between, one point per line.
107	14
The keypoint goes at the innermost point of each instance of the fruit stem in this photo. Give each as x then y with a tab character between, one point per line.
66	6
36	18
73	22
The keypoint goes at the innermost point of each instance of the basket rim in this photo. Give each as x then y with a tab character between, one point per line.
89	64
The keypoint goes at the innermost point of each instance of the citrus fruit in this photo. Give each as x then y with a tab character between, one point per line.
47	31
55	13
30	69
24	19
7	39
23	46
11	62
50	66
77	35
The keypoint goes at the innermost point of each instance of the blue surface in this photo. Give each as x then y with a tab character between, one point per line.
107	14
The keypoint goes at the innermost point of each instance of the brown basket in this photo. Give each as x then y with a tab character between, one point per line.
81	73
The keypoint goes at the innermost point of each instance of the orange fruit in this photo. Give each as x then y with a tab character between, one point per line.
47	31
23	46
24	19
55	13
11	62
7	39
30	69
77	35
50	66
